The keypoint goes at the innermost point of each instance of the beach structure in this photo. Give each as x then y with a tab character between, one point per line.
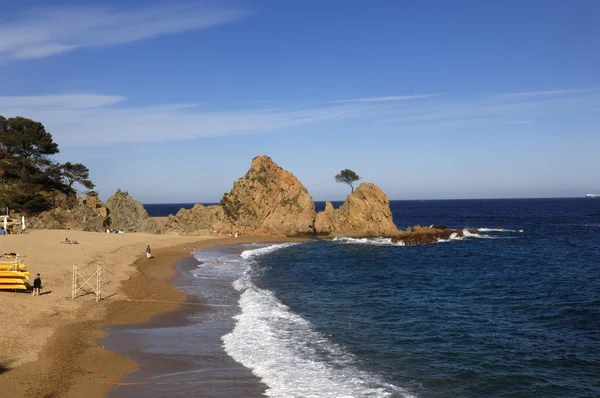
79	282
13	273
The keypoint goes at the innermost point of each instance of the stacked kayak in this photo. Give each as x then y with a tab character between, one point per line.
13	275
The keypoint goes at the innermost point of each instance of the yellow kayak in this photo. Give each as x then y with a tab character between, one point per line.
15	274
5	281
7	266
13	287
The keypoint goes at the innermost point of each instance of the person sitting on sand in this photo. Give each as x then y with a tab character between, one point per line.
37	285
148	252
66	241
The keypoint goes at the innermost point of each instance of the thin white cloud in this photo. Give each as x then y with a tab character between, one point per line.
547	93
51	31
74	101
90	120
387	99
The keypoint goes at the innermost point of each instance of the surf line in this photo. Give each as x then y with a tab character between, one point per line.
179	302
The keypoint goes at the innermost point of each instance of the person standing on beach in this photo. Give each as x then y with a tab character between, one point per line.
37	285
148	252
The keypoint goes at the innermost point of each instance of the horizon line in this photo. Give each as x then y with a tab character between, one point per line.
397	200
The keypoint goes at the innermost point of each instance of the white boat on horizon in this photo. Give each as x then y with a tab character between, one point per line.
593	195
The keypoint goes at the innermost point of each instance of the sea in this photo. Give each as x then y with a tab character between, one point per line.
511	312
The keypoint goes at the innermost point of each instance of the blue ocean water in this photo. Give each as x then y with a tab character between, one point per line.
166	209
514	312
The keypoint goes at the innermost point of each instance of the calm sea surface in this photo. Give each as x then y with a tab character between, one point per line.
514	312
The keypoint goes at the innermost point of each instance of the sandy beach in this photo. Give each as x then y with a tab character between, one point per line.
48	343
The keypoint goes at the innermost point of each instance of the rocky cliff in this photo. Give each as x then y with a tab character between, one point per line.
198	220
366	212
87	214
129	215
269	200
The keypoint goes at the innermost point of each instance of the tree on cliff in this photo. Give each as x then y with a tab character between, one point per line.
76	172
27	142
347	176
31	179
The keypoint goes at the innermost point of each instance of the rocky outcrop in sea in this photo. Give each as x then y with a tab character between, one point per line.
269	200
366	212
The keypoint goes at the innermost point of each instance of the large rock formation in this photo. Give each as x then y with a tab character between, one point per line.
269	200
199	220
76	214
366	212
129	215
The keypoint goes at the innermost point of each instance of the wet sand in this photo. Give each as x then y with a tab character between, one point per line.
183	350
71	363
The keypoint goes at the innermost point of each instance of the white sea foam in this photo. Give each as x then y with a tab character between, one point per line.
466	235
287	354
368	241
498	230
264	250
291	358
388	241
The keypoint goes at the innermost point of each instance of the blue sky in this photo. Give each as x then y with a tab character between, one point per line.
428	99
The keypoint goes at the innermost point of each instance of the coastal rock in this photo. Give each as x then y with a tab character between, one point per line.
96	205
269	200
366	212
199	220
129	215
78	216
418	235
323	220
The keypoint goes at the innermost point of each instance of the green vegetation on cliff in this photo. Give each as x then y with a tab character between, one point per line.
30	181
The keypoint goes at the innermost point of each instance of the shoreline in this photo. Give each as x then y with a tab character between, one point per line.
72	351
183	349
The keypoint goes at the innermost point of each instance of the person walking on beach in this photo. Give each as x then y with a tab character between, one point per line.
148	252
37	285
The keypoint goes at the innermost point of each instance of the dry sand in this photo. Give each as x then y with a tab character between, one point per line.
30	324
48	343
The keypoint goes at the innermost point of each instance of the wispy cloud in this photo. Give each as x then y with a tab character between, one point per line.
51	31
88	120
53	102
387	99
546	93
